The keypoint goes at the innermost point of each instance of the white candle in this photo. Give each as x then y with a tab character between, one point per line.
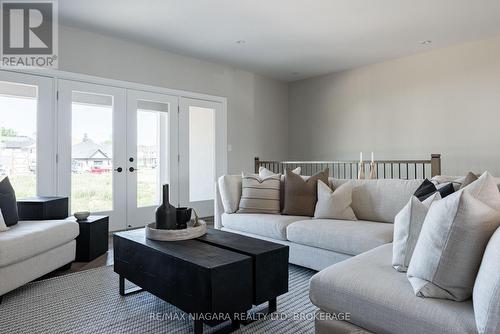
372	158
360	157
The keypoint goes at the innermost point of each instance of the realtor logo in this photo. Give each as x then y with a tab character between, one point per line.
29	34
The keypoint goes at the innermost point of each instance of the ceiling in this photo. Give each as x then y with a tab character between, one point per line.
288	39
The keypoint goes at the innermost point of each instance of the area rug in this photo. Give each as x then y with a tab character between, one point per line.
88	302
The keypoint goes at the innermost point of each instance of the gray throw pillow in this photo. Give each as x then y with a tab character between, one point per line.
407	226
451	244
486	293
300	194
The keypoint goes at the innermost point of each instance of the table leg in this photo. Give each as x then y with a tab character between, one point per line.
198	326
272	305
130	291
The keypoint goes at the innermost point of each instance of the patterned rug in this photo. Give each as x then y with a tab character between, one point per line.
88	302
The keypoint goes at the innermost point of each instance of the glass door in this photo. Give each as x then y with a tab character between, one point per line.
92	149
202	151
27	133
152	150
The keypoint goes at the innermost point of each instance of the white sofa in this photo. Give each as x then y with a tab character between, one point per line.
365	288
31	249
319	243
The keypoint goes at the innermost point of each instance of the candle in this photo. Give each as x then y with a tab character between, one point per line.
372	158
360	157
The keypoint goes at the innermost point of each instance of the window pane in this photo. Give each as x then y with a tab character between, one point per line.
92	152
201	154
18	115
152	118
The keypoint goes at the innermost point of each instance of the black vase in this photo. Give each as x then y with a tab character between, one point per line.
166	214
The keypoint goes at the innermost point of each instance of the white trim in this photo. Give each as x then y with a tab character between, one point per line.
58	74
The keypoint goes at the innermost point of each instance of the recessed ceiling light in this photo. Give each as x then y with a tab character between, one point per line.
426	42
241	41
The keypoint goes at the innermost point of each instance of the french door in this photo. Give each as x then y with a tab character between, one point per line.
110	148
152	150
27	133
92	165
202	150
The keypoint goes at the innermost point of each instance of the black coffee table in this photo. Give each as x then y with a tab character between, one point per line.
220	273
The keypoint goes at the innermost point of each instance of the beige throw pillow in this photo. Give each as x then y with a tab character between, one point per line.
334	204
451	244
3	226
301	195
260	195
407	226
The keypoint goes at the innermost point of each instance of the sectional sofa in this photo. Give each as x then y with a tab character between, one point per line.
354	260
31	249
319	243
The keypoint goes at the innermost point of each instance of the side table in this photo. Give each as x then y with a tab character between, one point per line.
93	238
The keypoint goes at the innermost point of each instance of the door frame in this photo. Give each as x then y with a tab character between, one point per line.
220	142
170	157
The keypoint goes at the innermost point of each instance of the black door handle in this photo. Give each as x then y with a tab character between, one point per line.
131	169
119	169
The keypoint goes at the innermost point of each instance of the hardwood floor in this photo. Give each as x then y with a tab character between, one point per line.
102	261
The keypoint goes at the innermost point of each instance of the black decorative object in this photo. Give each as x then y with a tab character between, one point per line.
426	189
183	217
166	214
446	190
43	208
8	202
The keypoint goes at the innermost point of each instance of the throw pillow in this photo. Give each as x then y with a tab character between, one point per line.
260	195
446	189
3	227
426	189
230	192
334	204
264	172
301	195
486	293
486	190
8	203
407	226
469	178
451	245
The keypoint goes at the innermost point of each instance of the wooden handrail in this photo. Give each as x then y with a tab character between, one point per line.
350	168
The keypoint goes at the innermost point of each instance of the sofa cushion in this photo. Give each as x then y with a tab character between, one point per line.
379	200
29	238
343	236
486	293
266	225
381	300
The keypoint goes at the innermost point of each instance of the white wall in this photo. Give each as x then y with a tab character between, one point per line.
445	101
257	106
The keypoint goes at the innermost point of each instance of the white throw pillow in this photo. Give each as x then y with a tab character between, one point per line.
407	226
3	226
260	195
451	245
230	192
486	293
485	189
334	204
264	172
